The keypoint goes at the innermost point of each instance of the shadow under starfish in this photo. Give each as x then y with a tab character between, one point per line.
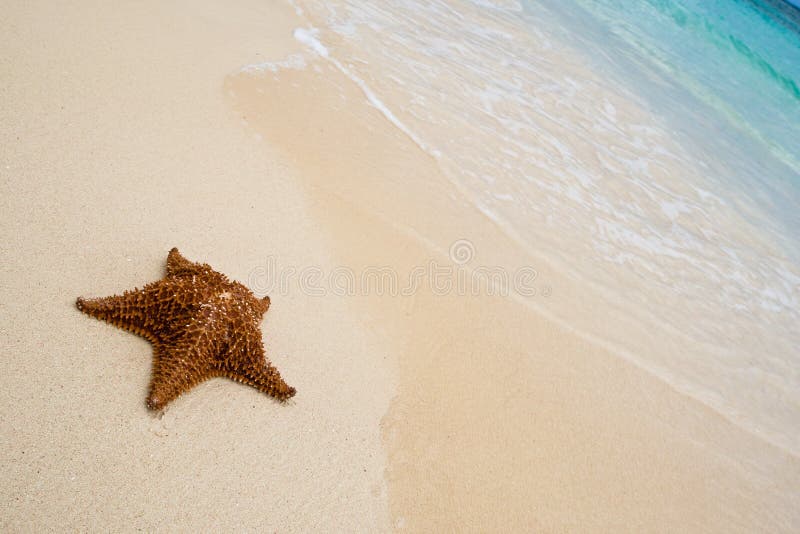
201	325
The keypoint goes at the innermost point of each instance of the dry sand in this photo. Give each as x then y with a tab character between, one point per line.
117	144
127	130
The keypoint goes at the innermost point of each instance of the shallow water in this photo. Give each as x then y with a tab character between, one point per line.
646	149
739	57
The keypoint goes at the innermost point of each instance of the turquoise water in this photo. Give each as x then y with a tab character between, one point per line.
739	60
740	57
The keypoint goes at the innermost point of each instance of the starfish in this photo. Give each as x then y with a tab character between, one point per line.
201	325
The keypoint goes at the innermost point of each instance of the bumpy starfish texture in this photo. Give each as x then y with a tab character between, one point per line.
201	325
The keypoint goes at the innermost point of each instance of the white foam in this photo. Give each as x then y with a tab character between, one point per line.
308	37
506	5
295	61
673	209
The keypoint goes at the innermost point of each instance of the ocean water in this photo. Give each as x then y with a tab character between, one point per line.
740	58
647	148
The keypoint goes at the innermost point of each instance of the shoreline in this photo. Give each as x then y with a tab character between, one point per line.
640	452
634	313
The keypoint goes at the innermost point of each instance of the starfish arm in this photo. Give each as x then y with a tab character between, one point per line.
250	366
263	305
130	311
176	370
177	265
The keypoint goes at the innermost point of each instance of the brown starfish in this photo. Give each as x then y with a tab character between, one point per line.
201	325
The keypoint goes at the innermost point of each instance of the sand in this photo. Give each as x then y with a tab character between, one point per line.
117	145
129	129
